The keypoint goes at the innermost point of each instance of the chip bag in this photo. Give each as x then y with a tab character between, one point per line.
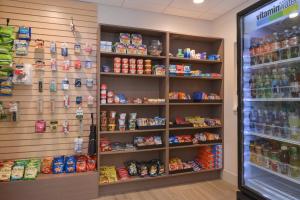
18	170
81	165
5	170
47	165
58	165
32	169
70	164
91	163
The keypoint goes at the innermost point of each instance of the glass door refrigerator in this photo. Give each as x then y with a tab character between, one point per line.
269	100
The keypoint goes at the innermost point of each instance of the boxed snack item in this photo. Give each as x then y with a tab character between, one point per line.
136	39
142	49
120	48
124	38
131	49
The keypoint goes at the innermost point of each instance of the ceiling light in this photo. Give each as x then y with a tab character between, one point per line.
198	1
293	15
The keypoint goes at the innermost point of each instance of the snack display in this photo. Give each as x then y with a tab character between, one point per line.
190	53
185	70
210	157
176	165
147	141
156	122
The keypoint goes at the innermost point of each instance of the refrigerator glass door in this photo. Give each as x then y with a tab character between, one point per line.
270	92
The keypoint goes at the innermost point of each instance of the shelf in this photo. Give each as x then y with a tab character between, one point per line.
112	54
275	173
130	131
280	62
194	128
157	177
193	145
131	151
191	60
196	104
133	104
271	99
273	138
131	75
195	77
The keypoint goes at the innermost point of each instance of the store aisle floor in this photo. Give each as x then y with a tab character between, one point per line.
209	190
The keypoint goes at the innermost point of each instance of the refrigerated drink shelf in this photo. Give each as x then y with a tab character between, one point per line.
271	99
275	173
273	138
278	63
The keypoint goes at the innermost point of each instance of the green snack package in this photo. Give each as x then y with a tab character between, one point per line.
31	170
6	31
18	170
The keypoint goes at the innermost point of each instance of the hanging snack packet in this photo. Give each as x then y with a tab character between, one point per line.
70	164
18	169
58	165
47	165
5	170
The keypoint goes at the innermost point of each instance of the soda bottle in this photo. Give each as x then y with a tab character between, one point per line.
267	85
284	83
259	85
275	84
284	52
252	86
275	47
294	42
293	82
284	159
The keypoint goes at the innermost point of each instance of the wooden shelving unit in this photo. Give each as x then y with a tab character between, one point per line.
152	86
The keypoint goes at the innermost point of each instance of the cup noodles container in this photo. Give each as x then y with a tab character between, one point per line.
103	86
125	71
132	71
140	67
110	94
125	66
103	101
117	70
140	61
124	60
117	60
132	61
140	71
110	100
147	62
117	65
148	71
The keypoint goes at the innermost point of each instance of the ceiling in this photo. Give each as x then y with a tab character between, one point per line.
209	10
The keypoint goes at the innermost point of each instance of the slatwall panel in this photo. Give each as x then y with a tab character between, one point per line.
50	21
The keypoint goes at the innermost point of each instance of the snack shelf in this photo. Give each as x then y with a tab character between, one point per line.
133	104
194	128
275	173
273	138
284	63
158	177
195	104
112	54
132	75
195	77
131	151
271	99
191	60
194	145
131	131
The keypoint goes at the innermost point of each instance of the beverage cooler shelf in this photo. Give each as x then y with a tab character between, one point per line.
271	99
289	141
276	173
284	63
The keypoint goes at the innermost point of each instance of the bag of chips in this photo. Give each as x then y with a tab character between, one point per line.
142	169
32	169
58	165
5	170
70	164
47	165
81	165
152	168
18	169
91	163
131	168
123	173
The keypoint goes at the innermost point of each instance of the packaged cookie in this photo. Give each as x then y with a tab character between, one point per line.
136	39
124	38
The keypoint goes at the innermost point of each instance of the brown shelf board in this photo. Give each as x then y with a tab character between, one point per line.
130	131
192	60
157	177
194	77
133	104
112	54
131	75
193	145
195	104
134	180
194	128
131	151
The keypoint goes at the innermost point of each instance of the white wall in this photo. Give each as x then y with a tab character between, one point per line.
143	19
225	26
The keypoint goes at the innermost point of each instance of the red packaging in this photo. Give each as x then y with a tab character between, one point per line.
122	173
103	86
140	62
81	165
117	70
125	71
124	60
117	60
132	61
91	163
140	71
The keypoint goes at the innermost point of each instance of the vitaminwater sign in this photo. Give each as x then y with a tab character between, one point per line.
278	10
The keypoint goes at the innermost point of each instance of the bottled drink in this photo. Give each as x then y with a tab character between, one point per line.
267	85
268	49
294	42
284	52
275	47
275	84
260	50
293	82
259	85
284	159
284	84
252	86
